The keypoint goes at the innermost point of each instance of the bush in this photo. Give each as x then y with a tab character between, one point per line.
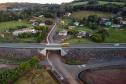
11	75
48	22
96	38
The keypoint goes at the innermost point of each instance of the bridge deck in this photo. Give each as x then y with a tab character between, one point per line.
43	45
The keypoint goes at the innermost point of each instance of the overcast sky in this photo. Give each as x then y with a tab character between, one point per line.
36	1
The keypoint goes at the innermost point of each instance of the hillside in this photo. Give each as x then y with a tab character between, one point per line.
4	5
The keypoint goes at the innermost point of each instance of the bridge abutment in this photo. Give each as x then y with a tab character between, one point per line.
62	51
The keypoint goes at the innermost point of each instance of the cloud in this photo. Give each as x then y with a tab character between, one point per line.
36	1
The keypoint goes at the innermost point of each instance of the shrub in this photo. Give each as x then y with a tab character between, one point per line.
96	38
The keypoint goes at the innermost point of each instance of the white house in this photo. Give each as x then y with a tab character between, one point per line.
116	26
68	14
41	16
76	23
26	30
63	33
123	22
42	24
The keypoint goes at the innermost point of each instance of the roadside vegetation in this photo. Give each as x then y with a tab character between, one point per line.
10	75
39	76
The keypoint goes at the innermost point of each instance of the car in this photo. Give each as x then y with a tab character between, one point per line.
65	44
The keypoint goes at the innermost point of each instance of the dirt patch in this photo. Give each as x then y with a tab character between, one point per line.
108	76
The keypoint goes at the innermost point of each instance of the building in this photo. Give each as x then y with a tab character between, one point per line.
108	23
35	24
42	24
116	26
63	33
76	23
68	14
41	16
26	30
62	22
82	34
123	22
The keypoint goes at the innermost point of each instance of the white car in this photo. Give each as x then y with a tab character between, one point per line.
83	65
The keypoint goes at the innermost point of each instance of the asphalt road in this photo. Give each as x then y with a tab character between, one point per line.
53	45
61	69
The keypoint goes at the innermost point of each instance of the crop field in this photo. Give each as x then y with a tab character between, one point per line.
12	25
108	76
38	76
81	14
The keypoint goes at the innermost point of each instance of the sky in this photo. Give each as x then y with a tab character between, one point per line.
37	1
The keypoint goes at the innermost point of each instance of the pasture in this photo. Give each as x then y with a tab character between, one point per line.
116	36
12	25
81	14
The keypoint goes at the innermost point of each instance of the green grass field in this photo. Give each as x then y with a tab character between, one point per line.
78	41
82	14
105	2
116	36
79	3
38	76
12	25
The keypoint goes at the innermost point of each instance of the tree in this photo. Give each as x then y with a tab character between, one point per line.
72	32
104	33
48	22
96	38
93	2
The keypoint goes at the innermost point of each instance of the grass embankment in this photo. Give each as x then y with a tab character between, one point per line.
36	76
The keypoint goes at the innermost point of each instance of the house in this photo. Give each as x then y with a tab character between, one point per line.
63	33
116	26
105	21
108	23
35	24
41	16
42	24
123	22
26	30
71	27
76	23
82	34
62	22
68	14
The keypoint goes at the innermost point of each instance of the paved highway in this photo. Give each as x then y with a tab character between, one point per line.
43	45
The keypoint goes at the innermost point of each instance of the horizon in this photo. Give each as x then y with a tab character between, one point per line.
36	1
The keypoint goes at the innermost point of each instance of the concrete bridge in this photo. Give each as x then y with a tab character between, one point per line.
53	46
